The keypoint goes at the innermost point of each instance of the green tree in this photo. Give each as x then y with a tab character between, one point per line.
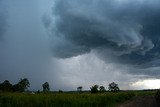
45	87
22	85
16	87
60	91
102	89
79	89
94	89
6	86
113	87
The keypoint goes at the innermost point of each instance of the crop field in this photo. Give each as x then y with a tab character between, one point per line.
107	99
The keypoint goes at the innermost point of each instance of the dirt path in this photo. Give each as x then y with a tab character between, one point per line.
141	101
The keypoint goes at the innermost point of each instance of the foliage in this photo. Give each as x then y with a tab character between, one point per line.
63	99
94	89
38	91
102	89
22	85
45	87
113	87
79	89
60	91
16	87
6	86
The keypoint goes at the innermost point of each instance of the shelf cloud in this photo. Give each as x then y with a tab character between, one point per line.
127	31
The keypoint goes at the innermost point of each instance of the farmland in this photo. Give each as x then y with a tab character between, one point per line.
66	99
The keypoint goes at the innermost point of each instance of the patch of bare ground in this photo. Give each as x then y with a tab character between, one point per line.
141	101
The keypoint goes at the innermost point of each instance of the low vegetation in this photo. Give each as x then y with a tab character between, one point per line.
107	99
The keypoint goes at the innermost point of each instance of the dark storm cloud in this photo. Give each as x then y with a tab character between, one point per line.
127	31
109	29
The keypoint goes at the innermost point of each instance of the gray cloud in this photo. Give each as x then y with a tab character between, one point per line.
2	25
24	49
127	31
2	19
93	42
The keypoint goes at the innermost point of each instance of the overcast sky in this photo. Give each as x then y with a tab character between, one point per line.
72	43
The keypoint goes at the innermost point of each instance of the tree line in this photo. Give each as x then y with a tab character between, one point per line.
24	83
113	87
21	86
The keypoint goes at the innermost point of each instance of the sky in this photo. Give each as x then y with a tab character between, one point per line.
71	43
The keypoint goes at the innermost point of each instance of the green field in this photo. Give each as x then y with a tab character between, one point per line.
107	99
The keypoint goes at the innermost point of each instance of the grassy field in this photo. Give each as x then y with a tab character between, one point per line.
107	99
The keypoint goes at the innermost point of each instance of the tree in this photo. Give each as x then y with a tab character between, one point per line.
60	91
113	87
79	89
38	91
45	87
22	85
94	89
102	89
6	86
16	87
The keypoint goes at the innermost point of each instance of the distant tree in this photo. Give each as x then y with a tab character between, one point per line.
113	87
102	89
79	89
22	85
16	87
45	87
94	89
6	86
38	91
60	91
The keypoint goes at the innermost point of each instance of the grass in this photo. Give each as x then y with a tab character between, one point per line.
107	99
